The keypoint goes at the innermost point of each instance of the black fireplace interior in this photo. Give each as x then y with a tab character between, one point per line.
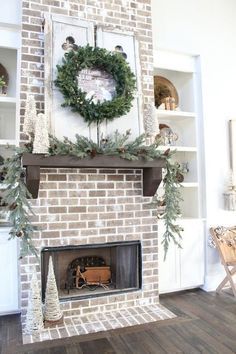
94	270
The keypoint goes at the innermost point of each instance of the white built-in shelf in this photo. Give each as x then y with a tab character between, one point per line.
190	184
177	148
183	72
10	142
7	99
164	113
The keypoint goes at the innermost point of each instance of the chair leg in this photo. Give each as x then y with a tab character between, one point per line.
222	284
230	274
227	279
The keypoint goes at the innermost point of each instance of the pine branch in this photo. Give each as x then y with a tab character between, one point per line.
15	197
172	197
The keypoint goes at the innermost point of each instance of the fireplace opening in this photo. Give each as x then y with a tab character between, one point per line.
93	270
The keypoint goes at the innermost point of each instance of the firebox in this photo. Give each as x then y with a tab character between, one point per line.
94	270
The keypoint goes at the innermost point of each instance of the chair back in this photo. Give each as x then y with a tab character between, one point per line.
225	241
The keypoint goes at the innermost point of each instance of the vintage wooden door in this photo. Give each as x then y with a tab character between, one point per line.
128	46
57	29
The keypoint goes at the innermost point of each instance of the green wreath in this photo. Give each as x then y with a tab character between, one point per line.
102	59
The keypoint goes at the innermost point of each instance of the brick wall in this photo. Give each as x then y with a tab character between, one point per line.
82	206
127	15
95	206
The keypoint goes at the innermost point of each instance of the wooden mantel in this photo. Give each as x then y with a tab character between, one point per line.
152	170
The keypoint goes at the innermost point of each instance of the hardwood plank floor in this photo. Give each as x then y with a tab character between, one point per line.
206	323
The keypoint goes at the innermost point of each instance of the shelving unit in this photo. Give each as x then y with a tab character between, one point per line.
8	103
184	268
10	44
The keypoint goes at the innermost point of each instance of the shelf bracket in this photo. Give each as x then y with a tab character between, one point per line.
33	180
151	180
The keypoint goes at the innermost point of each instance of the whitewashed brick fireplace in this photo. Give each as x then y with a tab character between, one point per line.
87	206
96	206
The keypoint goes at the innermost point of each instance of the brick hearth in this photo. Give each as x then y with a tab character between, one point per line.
91	323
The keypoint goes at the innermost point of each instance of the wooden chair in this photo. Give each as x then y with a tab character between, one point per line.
225	242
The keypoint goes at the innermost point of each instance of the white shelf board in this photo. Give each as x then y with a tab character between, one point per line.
190	184
164	113
7	142
7	99
177	148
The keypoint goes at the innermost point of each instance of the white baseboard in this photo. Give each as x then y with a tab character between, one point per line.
212	281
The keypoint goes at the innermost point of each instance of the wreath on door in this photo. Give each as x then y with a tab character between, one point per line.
91	108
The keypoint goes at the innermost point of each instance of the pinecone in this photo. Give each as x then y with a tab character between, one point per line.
20	234
12	206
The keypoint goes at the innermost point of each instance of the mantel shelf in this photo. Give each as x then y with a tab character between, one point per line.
152	170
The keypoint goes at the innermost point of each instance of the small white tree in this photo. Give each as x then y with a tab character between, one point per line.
34	316
52	311
151	121
30	116
41	139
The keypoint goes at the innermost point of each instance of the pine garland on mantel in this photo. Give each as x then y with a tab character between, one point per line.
16	193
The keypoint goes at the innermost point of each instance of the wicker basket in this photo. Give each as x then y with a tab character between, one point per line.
5	76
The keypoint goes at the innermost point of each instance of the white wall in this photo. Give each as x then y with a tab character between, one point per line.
10	11
208	29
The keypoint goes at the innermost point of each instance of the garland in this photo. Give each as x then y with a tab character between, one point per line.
102	59
16	202
172	198
118	145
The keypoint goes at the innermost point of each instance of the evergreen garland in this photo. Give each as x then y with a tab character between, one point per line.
96	58
172	198
15	197
117	145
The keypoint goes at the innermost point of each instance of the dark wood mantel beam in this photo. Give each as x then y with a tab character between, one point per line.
152	170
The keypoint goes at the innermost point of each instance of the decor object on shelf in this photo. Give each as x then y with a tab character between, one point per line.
4	80
161	206
41	138
30	116
185	167
3	212
225	241
80	80
230	194
167	136
165	92
52	311
232	147
151	122
34	316
117	146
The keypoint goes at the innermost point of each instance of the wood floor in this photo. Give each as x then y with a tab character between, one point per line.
206	323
